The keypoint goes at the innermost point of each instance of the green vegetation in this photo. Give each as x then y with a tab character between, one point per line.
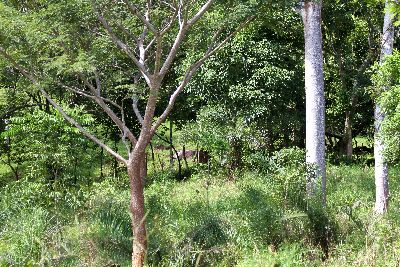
259	219
174	133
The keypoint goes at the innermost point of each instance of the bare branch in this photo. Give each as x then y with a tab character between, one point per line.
150	44
184	25
136	110
90	136
141	40
158	52
76	91
98	83
121	44
126	31
122	126
172	6
83	93
125	133
201	12
142	49
212	49
189	74
174	50
170	22
134	9
81	129
181	18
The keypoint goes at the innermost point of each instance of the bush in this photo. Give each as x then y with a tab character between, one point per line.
279	161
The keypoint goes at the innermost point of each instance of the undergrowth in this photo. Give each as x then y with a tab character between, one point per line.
262	218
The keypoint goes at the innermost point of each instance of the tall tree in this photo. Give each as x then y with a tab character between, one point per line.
94	48
381	167
315	100
353	39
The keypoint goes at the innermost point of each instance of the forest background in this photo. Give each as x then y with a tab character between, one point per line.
173	133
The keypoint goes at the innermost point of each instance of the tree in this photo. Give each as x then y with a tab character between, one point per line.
381	167
258	77
388	74
315	100
352	37
67	46
48	146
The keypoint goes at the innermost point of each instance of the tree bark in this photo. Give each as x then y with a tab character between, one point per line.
315	100
136	172
348	135
381	168
171	151
101	164
153	159
184	157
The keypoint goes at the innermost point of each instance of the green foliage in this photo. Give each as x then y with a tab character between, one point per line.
256	76
351	38
387	84
32	217
48	146
279	161
249	103
206	221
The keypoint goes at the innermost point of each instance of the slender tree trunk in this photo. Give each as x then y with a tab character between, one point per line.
178	159
381	168
75	171
346	144
315	100
101	163
184	157
115	165
197	153
153	160
136	173
171	151
348	135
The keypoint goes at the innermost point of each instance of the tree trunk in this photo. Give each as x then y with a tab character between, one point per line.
171	151
136	172
101	163
115	165
184	157
153	159
381	168
348	135
315	100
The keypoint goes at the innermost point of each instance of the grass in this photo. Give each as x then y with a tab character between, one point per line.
363	141
258	219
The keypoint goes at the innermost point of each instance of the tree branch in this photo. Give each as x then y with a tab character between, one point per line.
126	31
90	136
174	50
134	9
96	92
184	25
136	110
201	12
170	23
83	93
121	44
212	49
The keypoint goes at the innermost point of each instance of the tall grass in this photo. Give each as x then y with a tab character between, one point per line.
260	219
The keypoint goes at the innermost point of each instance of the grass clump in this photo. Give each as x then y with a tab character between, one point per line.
261	218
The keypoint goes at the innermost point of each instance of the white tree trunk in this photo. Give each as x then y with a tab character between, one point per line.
315	100
381	168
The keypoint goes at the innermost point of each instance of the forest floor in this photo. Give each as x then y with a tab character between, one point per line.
253	219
